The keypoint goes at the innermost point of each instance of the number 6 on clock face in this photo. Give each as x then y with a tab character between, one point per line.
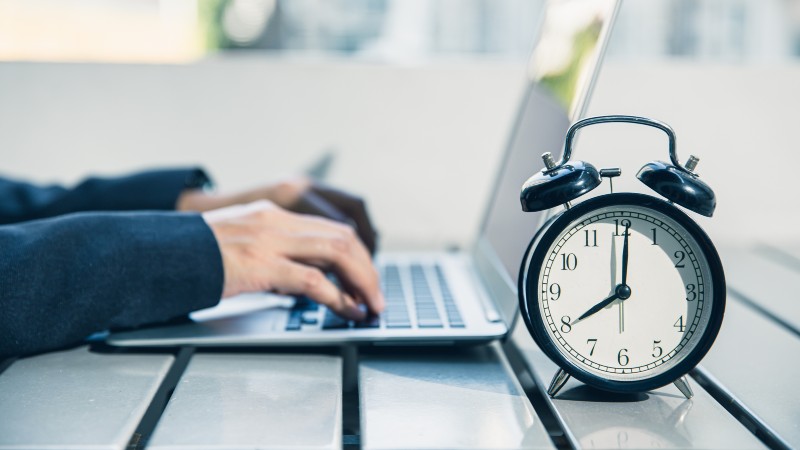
623	291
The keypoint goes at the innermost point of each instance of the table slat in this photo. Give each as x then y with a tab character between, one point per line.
767	283
657	419
755	360
77	399
258	400
447	399
792	250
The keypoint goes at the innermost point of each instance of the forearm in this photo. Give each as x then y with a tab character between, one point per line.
150	190
62	279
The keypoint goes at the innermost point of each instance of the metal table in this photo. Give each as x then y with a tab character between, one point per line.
485	397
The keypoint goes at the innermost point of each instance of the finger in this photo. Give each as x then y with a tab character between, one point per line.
344	239
298	279
309	225
235	212
346	256
311	203
355	208
351	212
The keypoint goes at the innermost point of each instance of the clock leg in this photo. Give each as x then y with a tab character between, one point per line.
558	382
682	384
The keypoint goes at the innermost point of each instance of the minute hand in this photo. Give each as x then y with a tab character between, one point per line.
598	307
625	257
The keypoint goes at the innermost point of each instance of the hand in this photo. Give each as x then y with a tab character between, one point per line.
622	290
597	307
624	278
625	257
266	248
300	195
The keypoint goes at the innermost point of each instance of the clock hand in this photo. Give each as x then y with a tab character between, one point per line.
614	275
625	257
624	278
621	292
614	265
598	307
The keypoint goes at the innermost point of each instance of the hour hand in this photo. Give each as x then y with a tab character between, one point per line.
597	307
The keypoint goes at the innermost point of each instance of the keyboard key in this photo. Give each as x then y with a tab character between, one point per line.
295	320
305	304
309	318
372	321
334	322
429	323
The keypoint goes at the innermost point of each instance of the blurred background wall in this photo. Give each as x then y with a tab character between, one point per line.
414	98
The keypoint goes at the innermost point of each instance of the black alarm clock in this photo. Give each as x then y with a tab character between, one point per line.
623	291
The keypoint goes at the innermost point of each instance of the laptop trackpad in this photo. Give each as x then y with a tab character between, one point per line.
263	308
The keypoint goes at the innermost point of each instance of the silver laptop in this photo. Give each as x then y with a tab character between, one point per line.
438	297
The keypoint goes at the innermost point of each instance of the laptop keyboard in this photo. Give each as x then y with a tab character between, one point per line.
453	315
430	305
396	312
427	312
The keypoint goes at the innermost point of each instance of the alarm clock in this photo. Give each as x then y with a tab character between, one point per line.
623	291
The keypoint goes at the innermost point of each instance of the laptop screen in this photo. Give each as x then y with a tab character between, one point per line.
562	69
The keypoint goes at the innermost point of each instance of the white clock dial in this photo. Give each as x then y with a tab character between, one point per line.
670	292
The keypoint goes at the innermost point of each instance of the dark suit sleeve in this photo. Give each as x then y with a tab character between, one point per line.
62	279
152	190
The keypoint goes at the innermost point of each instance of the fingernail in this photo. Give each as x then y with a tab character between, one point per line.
355	312
359	314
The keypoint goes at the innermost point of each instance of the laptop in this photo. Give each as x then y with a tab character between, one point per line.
438	297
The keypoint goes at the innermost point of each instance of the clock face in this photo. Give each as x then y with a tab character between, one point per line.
626	291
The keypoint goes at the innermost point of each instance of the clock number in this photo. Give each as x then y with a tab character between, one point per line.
593	343
566	327
594	238
679	325
622	358
625	224
680	256
569	262
654	236
691	294
555	291
657	350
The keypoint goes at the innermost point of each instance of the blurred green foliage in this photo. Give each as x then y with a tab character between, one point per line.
563	84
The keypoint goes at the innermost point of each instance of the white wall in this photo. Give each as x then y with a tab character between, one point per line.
395	128
405	136
740	121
